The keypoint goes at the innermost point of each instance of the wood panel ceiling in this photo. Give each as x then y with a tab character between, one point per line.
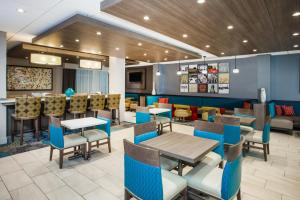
110	41
267	25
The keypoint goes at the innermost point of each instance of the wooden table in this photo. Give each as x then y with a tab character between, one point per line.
246	121
156	111
182	147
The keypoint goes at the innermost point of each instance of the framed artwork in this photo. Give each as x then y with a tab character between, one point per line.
22	78
184	88
224	78
224	68
223	88
193	87
184	68
202	88
213	88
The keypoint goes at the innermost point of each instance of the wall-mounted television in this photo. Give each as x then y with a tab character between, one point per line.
135	77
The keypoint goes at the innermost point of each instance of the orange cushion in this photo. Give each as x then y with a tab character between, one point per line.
288	110
163	100
247	105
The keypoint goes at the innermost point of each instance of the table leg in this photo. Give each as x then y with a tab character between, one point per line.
180	168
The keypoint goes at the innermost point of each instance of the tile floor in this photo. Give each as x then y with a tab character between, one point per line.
30	175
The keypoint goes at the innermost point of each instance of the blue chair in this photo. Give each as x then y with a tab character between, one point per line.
102	132
211	131
260	137
232	129
60	142
145	179
147	131
242	112
165	119
216	182
142	115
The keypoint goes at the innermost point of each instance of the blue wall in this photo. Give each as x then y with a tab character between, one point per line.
285	77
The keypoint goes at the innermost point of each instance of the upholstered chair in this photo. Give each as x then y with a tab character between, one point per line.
144	177
60	142
97	103
260	138
232	128
219	183
101	133
242	112
146	131
27	108
165	119
54	106
143	116
78	105
113	104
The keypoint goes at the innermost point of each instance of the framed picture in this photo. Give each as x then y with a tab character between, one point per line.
202	88
224	78
184	88
213	68
193	87
184	79
223	67
223	88
22	78
213	88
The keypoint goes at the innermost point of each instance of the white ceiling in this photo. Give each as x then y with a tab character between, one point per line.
41	15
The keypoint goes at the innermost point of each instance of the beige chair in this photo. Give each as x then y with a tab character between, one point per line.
97	103
27	109
113	104
78	105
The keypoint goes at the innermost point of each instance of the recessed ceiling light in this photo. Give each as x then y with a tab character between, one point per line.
254	50
146	17
165	59
207	46
99	33
230	27
99	52
76	40
186	57
20	10
295	34
126	57
148	60
166	51
140	44
145	54
42	52
184	35
104	60
296	46
245	41
117	48
296	14
61	46
67	59
200	1
26	58
222	53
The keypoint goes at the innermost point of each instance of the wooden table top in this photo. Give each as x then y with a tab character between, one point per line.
247	121
183	147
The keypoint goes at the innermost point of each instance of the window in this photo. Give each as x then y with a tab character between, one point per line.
91	81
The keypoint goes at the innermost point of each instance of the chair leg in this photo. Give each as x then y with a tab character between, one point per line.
265	152
119	116
161	129
51	152
239	195
268	148
89	149
37	131
109	145
98	144
61	158
221	164
127	195
84	151
49	121
21	131
13	129
171	129
185	194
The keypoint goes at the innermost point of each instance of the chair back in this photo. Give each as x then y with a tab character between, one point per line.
272	110
232	173
165	114
143	132
142	171
213	131
243	112
232	129
97	102
266	131
113	101
78	103
106	116
28	107
142	115
54	105
56	133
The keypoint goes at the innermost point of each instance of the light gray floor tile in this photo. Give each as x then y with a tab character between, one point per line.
48	182
16	180
100	193
64	193
80	183
31	192
4	194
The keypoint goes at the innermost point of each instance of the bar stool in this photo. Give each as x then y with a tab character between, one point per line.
78	105
27	108
54	106
113	103
97	103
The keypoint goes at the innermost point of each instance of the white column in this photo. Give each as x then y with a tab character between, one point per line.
117	81
3	139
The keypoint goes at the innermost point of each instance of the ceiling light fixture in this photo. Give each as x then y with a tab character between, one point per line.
99	33
165	59
61	46
67	59
222	53
166	51
140	44
145	54
148	61
295	34
184	35
90	64
296	14
296	46
157	72
20	10
207	46
186	57
245	41
235	70
230	27
146	18
200	1
117	48
44	59
204	71
254	50
99	52
127	57
178	70
76	40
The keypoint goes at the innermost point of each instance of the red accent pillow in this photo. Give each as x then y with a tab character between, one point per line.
222	111
247	105
163	100
279	111
288	110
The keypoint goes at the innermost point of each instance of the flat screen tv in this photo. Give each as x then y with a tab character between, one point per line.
135	77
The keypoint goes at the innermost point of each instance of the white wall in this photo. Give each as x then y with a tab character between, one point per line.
117	80
3	139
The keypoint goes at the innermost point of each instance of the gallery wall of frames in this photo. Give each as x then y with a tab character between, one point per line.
205	78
